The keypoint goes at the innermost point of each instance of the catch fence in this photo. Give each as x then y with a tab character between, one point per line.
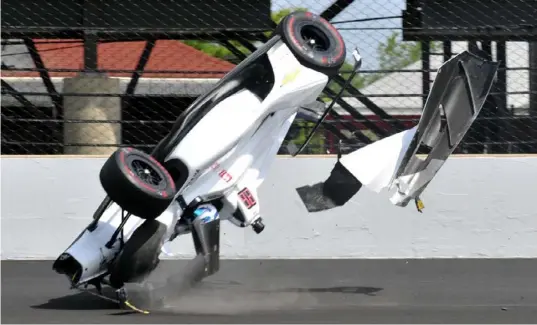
88	76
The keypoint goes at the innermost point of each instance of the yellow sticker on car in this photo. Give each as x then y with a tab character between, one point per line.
290	76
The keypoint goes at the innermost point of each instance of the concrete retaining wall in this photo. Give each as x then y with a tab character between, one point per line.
476	207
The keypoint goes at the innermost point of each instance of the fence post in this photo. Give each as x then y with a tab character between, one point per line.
533	96
92	108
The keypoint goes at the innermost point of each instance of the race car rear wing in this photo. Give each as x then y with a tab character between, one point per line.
455	100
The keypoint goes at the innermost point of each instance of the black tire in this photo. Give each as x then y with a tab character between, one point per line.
140	254
144	193
314	41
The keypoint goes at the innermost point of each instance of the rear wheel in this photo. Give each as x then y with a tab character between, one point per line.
314	41
138	183
140	254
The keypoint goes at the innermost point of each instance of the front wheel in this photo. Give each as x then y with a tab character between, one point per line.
140	255
314	41
138	183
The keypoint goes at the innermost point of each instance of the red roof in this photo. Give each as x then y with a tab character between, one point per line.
167	55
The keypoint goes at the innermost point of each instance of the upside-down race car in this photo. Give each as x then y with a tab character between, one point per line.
211	164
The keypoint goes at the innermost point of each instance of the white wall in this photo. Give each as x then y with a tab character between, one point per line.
476	207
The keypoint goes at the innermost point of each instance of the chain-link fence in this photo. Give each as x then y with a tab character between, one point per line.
84	77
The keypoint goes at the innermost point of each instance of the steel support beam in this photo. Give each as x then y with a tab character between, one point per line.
139	20
335	9
233	49
142	62
500	87
462	20
90	52
486	47
251	47
501	57
347	125
43	73
92	12
8	90
425	70
357	115
350	141
533	79
134	34
374	108
447	52
533	93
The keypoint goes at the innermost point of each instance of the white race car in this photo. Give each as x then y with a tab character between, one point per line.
211	164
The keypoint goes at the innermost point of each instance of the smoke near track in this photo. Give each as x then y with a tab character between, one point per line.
183	292
164	285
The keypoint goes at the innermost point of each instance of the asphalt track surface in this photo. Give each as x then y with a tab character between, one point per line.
297	291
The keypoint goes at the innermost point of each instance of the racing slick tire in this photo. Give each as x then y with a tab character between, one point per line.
138	183
314	41
140	255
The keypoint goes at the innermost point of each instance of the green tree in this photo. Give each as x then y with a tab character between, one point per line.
394	54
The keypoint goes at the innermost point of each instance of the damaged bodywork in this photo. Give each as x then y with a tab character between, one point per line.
455	100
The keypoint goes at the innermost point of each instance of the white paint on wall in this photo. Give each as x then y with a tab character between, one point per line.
475	208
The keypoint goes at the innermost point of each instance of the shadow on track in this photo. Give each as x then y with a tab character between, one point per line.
152	292
368	291
78	301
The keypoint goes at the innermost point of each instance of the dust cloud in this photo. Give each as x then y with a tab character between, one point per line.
183	291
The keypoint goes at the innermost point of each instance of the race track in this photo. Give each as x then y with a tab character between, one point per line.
298	291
